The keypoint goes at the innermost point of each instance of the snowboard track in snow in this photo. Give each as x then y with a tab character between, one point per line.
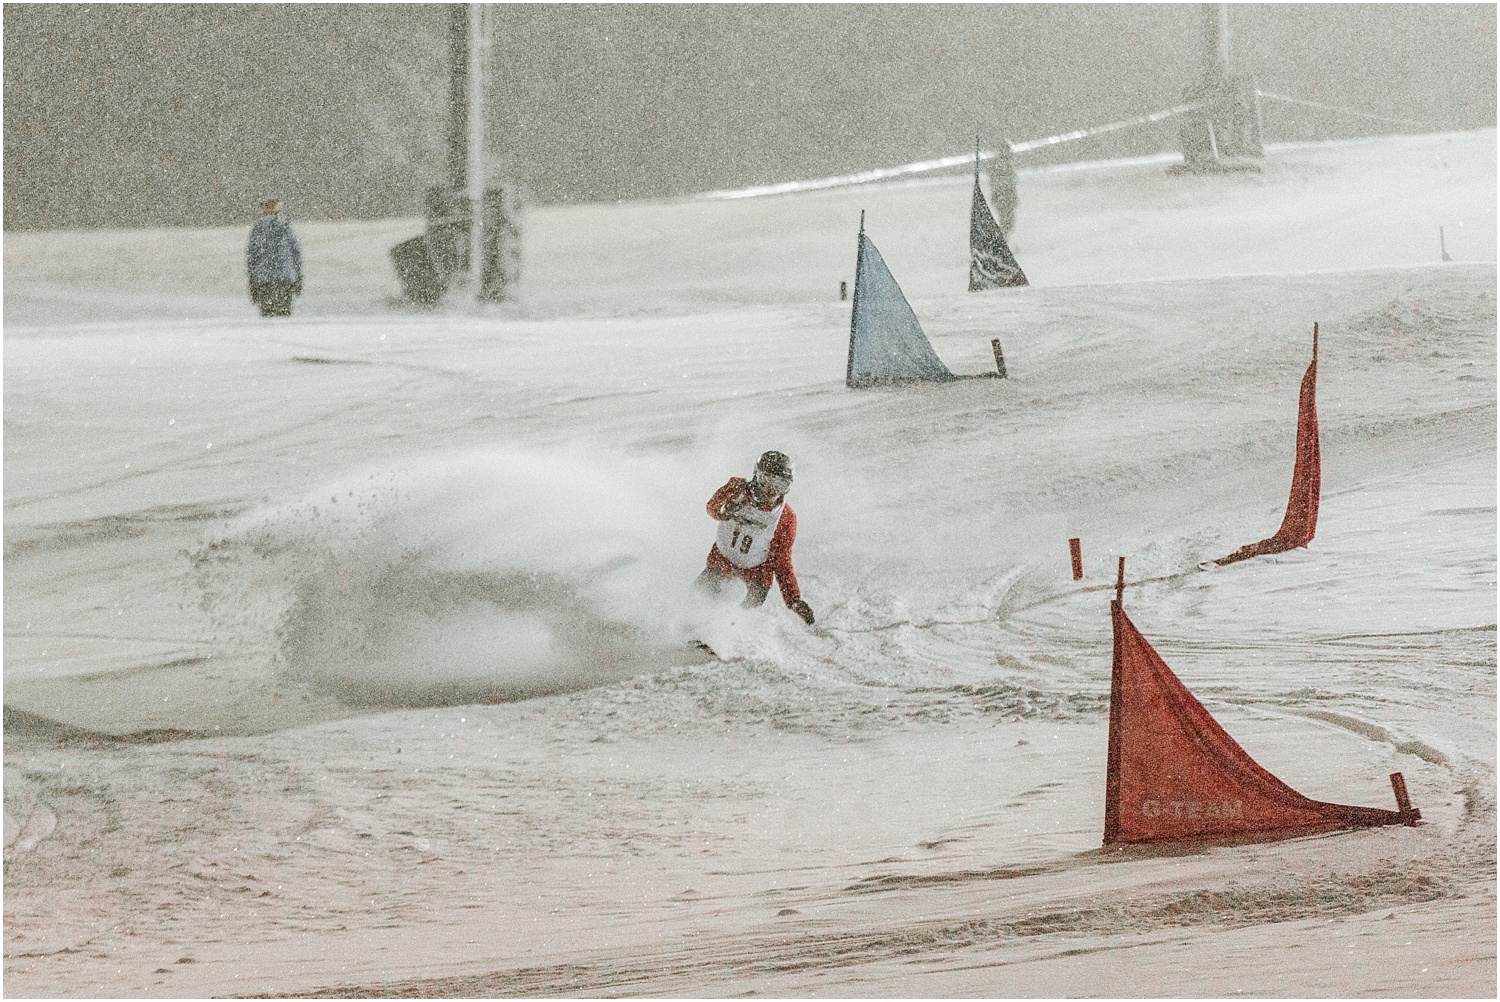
790	951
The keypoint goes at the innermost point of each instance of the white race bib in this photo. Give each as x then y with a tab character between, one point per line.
745	540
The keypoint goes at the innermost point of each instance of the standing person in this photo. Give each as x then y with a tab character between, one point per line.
274	260
756	531
1003	197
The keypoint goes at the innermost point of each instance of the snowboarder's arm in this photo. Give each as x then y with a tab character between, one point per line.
780	557
726	499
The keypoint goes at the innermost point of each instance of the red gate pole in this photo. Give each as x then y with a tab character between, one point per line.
1075	549
1403	800
1116	734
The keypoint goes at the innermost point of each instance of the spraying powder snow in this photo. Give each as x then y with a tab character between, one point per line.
474	577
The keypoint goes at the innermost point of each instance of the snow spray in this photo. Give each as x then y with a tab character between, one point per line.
477	577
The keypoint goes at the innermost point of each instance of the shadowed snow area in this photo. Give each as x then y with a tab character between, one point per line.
350	653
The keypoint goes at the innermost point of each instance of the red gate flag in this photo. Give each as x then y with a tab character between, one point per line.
1301	518
1175	774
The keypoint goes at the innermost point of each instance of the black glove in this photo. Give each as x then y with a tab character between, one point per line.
297	287
802	609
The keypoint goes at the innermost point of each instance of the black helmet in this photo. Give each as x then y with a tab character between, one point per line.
775	464
773	477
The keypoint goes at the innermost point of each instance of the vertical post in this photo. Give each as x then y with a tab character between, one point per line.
476	166
1120	583
999	357
859	264
1215	53
1223	39
1260	120
1403	799
458	96
1116	686
1075	550
843	291
1409	815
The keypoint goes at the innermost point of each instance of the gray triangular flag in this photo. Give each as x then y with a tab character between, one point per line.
991	264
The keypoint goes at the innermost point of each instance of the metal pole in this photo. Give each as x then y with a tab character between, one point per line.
458	97
476	166
1224	40
1215	41
1260	120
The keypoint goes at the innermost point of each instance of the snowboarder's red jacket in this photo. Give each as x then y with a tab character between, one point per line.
778	563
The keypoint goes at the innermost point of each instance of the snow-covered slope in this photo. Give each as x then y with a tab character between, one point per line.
386	610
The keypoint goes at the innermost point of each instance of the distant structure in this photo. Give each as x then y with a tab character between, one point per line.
1223	133
468	222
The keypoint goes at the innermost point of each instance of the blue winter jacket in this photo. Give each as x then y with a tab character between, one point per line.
274	253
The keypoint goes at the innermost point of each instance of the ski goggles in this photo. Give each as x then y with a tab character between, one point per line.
769	484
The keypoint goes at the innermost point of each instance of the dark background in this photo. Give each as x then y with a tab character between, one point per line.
139	115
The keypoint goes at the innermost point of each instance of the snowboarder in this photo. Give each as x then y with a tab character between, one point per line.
274	260
756	531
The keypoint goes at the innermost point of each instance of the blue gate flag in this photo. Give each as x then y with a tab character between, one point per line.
886	344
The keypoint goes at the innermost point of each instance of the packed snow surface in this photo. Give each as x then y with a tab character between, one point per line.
350	653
